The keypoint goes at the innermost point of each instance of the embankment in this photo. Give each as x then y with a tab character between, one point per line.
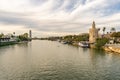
112	48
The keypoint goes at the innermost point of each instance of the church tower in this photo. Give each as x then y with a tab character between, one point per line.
93	33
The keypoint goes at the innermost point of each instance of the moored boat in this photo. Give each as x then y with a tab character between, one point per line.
84	44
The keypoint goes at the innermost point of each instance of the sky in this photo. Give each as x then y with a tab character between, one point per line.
58	17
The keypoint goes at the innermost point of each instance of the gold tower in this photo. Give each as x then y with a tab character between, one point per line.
93	33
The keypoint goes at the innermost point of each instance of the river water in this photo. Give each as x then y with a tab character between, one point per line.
47	60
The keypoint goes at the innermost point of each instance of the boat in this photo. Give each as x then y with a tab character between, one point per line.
64	42
84	44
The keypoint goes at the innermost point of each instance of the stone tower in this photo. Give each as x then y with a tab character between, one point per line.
93	33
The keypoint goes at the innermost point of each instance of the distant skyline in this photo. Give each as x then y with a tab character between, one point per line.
57	17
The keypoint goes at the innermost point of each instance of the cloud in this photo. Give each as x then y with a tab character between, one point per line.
59	16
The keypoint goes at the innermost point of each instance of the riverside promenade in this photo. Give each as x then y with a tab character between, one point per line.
112	48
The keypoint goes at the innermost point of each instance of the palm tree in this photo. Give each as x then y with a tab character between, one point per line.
104	28
98	29
112	30
13	33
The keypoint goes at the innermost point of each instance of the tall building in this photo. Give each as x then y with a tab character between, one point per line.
93	33
30	34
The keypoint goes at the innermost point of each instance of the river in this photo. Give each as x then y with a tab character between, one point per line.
48	60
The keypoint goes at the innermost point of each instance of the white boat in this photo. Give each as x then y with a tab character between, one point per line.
84	44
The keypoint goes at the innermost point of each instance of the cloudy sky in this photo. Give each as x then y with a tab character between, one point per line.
57	17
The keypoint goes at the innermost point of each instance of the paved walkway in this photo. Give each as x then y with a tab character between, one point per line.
113	45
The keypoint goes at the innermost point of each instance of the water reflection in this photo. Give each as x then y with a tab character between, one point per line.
46	60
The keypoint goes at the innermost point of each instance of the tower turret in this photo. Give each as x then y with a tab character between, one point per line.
93	25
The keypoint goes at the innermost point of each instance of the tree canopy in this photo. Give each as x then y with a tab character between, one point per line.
115	34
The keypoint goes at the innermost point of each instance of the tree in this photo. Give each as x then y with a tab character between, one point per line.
98	29
14	33
112	30
115	34
100	42
83	37
1	35
104	28
23	37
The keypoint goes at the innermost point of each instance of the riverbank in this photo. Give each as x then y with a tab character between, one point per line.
7	43
11	43
112	48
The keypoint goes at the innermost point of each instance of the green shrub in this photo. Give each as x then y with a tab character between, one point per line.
100	42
